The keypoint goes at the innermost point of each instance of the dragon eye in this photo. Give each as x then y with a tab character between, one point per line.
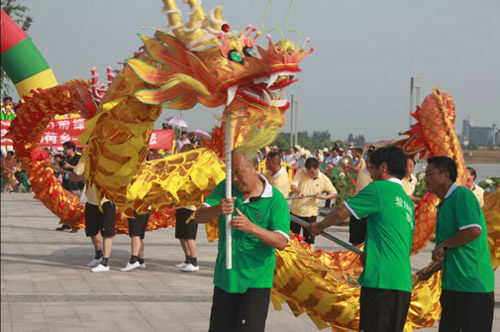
248	51
235	56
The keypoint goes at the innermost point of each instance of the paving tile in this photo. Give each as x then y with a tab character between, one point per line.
46	286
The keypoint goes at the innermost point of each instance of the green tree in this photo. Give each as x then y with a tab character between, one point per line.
360	139
350	138
321	135
18	13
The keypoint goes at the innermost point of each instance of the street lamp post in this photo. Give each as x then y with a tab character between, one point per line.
415	85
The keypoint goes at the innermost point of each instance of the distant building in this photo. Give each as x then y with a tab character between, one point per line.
479	136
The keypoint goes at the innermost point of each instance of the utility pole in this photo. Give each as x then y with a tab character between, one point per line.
415	85
295	100
291	123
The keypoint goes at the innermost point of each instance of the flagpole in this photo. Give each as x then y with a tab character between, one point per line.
229	140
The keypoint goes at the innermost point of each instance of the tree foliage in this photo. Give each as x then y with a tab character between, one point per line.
19	14
318	140
321	135
358	140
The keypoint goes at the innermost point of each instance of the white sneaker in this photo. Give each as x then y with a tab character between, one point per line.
183	264
130	267
191	268
142	266
100	268
94	262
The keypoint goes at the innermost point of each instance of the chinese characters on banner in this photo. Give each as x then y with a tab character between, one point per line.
60	131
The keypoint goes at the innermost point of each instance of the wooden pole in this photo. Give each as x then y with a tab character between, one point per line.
229	141
328	236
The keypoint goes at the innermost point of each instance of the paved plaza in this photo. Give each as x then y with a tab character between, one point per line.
46	286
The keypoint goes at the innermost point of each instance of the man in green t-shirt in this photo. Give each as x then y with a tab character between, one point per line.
461	252
260	223
386	283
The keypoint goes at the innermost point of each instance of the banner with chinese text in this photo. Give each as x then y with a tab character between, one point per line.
60	131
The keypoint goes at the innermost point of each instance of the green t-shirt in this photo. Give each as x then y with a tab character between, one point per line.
9	116
391	221
252	262
466	268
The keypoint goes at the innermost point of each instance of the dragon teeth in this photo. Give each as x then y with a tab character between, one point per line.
231	92
272	78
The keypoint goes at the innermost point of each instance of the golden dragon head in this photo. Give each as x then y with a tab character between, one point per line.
205	61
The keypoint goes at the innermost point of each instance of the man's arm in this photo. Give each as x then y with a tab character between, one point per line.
68	166
327	196
428	271
296	190
206	213
75	177
461	238
336	217
269	238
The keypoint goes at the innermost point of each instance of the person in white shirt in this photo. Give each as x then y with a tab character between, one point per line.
410	181
290	158
181	141
477	190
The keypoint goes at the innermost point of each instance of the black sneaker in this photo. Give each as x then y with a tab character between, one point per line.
63	227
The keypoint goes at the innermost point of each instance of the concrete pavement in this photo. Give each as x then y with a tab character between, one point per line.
46	285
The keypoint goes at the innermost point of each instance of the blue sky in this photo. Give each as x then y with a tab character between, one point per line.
356	81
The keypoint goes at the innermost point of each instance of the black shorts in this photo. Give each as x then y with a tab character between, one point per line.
137	225
185	231
239	311
96	220
295	228
383	310
467	312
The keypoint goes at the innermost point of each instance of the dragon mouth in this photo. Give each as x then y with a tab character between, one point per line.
259	90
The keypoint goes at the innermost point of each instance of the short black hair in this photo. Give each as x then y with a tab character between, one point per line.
444	164
472	172
7	98
394	157
274	157
184	132
312	163
69	145
369	153
359	150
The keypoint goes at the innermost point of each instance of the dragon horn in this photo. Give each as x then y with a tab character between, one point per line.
193	34
174	18
196	16
213	23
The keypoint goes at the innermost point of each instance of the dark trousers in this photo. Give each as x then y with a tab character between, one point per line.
239	312
294	227
383	310
466	312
